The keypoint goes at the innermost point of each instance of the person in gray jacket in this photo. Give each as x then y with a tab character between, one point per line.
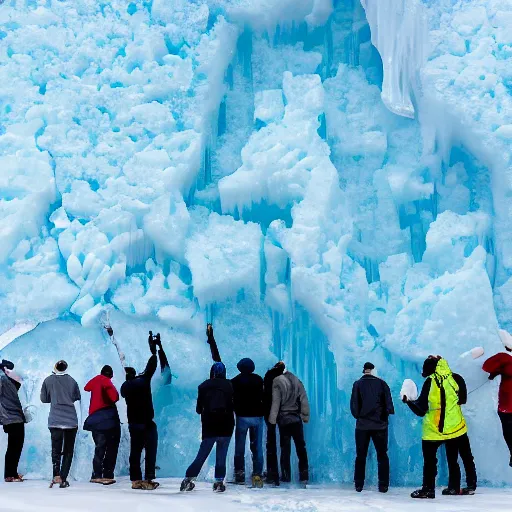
290	409
12	419
61	391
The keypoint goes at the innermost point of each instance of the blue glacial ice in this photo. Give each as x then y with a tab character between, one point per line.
327	181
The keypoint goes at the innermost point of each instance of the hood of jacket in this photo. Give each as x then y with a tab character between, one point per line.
218	371
246	366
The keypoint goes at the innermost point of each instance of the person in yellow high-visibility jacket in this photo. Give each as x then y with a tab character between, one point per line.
439	404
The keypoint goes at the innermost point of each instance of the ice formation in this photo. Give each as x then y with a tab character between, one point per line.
328	181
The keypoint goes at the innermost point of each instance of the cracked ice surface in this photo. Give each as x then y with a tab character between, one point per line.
259	165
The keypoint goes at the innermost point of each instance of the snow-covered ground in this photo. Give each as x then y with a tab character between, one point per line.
35	495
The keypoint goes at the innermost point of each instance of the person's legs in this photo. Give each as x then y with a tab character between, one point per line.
469	462
300	448
380	441
109	462
242	425
506	424
272	467
67	453
362	444
57	435
221	453
100	447
151	446
136	446
204	451
256	438
429	449
285	437
452	457
15	440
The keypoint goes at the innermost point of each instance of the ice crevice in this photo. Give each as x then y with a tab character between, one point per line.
324	180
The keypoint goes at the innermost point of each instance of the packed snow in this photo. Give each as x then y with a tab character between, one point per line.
327	181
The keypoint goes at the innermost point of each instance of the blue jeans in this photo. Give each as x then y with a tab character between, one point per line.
203	453
255	428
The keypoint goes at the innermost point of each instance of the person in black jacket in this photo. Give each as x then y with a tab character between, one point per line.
272	477
248	404
371	405
215	405
143	431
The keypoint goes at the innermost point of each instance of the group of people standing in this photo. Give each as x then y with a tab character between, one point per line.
440	405
250	404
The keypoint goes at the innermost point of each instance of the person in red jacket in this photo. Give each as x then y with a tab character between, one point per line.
501	364
103	422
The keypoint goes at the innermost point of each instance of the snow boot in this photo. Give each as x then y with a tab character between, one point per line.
468	491
187	485
108	481
56	481
150	485
303	484
11	479
359	488
450	492
96	481
423	494
219	487
239	478
257	482
383	489
64	484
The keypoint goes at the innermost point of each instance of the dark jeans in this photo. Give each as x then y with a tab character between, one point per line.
15	439
255	428
63	447
221	453
380	441
272	467
453	448
105	452
288	432
143	437
506	423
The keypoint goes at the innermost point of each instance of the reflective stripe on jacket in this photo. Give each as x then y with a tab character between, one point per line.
444	419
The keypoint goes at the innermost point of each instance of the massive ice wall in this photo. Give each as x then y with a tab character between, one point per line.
324	180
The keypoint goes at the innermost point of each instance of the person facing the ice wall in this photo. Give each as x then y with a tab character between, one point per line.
61	391
215	405
272	464
103	422
289	410
136	390
439	404
248	405
501	364
371	405
12	419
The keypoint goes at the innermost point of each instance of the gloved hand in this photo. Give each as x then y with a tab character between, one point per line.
152	344
209	332
158	341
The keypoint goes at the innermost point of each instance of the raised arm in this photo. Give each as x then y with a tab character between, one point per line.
213	344
151	367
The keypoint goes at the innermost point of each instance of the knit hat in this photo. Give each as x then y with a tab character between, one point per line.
368	366
131	373
60	366
218	371
506	339
107	371
430	365
246	365
6	365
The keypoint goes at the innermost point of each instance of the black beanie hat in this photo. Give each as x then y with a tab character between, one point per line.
130	373
429	366
368	366
107	371
61	366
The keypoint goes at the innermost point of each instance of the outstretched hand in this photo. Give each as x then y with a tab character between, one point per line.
209	331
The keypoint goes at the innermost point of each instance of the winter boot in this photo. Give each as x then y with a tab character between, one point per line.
450	492
56	481
149	485
303	484
137	484
64	484
383	489
108	481
239	478
257	482
11	479
96	481
424	493
219	487
271	479
468	491
187	485
359	488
